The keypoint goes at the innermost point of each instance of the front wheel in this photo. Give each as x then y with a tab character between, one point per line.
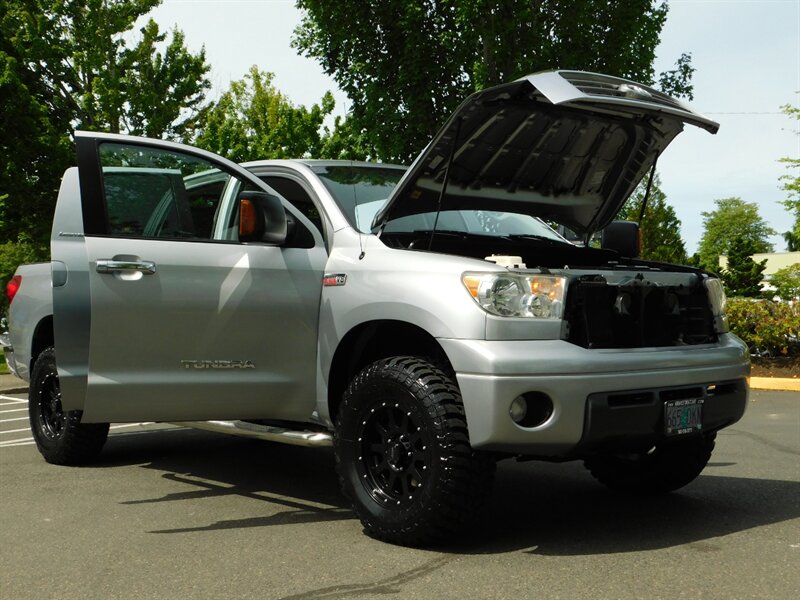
403	454
60	436
665	468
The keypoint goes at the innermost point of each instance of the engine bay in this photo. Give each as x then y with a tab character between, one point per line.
611	301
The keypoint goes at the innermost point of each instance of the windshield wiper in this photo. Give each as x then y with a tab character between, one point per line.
456	232
533	236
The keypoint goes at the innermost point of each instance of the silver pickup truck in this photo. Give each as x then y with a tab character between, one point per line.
426	322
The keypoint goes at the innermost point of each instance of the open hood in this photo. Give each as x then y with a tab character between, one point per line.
565	146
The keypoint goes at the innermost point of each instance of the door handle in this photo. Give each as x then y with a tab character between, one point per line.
108	265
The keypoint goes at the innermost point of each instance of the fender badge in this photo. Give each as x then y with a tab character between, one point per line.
334	279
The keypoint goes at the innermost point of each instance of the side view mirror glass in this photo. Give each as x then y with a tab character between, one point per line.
262	218
623	237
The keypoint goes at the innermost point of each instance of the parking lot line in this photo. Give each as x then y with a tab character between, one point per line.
29	440
12	400
14	431
15	443
2	412
16	419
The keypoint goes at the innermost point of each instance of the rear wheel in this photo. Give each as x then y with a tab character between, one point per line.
665	468
60	436
403	454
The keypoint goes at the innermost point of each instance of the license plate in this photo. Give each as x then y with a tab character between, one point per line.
683	416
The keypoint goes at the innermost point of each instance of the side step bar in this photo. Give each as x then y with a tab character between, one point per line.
264	432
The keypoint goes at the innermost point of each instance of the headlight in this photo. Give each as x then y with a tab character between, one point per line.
718	302
512	295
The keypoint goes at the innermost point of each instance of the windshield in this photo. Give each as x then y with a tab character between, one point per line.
360	190
480	222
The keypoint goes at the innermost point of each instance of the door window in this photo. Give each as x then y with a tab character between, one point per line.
156	193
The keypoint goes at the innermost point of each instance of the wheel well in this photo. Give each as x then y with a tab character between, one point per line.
43	338
372	341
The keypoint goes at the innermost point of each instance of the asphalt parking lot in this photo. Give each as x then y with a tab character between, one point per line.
170	512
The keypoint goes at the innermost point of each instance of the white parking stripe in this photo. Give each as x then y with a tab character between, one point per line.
9	420
14	431
2	412
13	400
21	442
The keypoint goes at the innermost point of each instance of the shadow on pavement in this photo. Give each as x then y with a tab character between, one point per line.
559	510
540	508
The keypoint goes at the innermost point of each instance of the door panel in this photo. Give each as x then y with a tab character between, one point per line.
184	326
217	331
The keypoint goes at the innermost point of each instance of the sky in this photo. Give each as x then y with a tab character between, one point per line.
747	59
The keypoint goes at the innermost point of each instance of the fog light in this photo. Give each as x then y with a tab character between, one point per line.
518	409
531	409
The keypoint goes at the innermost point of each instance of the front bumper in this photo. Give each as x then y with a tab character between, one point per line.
578	381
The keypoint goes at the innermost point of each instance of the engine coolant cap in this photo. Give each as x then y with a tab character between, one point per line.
510	262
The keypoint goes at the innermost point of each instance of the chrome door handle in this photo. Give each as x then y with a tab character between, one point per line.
107	265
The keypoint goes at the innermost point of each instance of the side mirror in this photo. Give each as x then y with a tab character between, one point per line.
262	218
623	237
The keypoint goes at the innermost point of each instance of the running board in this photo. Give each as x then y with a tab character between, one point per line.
264	432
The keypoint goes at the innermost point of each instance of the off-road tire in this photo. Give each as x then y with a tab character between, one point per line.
403	454
666	468
60	436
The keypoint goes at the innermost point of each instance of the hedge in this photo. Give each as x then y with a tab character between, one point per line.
769	328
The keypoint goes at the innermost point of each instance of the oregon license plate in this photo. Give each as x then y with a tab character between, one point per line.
683	416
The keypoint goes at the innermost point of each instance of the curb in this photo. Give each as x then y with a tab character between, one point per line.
782	384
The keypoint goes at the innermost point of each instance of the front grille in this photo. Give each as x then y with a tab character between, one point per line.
637	316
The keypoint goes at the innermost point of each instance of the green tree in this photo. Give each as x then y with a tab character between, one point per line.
77	49
791	185
254	120
346	141
786	282
661	228
66	64
732	219
742	275
406	64
34	151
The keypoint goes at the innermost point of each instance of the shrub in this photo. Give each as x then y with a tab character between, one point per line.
786	282
768	328
13	254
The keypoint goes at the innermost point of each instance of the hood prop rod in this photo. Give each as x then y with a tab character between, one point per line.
443	191
647	191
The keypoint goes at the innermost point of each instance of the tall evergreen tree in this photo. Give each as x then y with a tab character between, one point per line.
743	276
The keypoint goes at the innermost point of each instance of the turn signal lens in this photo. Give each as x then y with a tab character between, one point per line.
247	219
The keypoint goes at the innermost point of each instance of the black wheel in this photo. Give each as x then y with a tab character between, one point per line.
403	454
665	468
60	436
